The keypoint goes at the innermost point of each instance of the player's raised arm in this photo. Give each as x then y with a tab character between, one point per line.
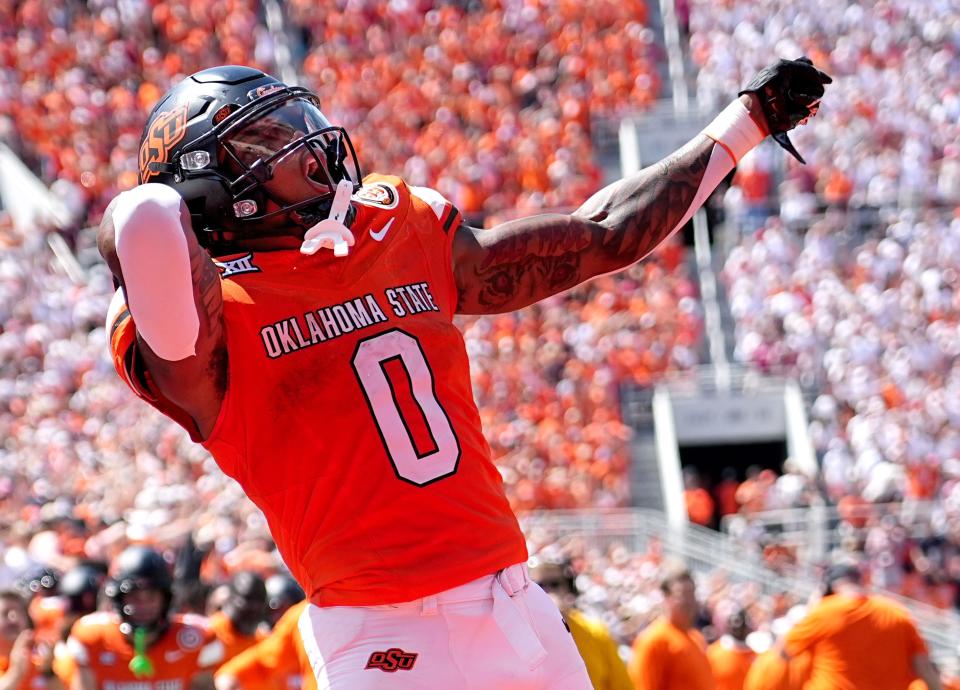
172	289
523	261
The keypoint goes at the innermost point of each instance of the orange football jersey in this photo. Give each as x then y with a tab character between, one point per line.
186	649
233	641
279	662
349	417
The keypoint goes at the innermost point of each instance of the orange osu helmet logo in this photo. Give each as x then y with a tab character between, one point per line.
165	131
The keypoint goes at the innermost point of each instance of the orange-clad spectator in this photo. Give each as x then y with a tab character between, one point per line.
730	658
140	644
279	662
23	664
699	502
770	671
923	478
671	653
853	509
241	623
726	492
752	493
860	641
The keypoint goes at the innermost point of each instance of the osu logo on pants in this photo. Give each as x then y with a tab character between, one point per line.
392	660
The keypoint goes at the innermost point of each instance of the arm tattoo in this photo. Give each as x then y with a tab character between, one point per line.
640	211
523	261
519	265
207	279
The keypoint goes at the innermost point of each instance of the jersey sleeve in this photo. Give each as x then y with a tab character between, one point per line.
446	213
128	362
444	218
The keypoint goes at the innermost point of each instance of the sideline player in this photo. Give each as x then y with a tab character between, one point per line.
141	646
333	385
241	623
277	663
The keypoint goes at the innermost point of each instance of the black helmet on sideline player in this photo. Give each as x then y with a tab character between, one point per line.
38	581
282	593
246	606
80	587
251	156
136	569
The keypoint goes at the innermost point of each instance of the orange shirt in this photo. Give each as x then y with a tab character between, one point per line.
349	416
700	505
666	657
770	671
277	663
729	663
857	642
186	649
233	641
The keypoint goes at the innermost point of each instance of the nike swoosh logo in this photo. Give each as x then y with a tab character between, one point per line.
378	236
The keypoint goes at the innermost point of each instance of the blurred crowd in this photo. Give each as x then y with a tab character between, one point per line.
869	322
845	274
497	122
77	80
887	132
489	101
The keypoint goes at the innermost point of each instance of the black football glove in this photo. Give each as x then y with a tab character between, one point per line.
790	92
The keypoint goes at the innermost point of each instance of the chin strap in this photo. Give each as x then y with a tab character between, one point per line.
140	665
332	233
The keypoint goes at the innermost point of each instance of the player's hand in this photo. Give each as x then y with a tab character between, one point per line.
789	93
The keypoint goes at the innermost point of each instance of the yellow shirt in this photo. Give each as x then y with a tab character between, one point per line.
599	651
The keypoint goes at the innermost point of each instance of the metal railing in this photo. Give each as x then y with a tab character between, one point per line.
708	552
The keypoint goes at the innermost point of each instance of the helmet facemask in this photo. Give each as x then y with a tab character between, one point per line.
282	162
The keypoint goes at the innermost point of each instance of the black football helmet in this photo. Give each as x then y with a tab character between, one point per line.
250	155
139	567
282	592
80	586
38	581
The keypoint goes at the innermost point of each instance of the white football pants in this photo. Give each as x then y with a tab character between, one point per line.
500	632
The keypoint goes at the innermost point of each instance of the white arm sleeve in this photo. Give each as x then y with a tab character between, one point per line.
736	134
719	165
155	261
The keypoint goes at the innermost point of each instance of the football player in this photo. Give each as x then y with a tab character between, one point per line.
141	645
297	319
241	623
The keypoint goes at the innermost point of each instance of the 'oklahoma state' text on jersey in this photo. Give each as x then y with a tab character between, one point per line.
349	417
186	648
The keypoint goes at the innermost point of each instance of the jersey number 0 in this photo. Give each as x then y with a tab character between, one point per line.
369	363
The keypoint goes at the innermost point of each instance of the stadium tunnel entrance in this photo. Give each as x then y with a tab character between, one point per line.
711	461
720	470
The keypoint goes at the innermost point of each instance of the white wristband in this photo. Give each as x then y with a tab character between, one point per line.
735	130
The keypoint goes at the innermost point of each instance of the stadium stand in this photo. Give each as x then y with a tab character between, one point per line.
435	94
